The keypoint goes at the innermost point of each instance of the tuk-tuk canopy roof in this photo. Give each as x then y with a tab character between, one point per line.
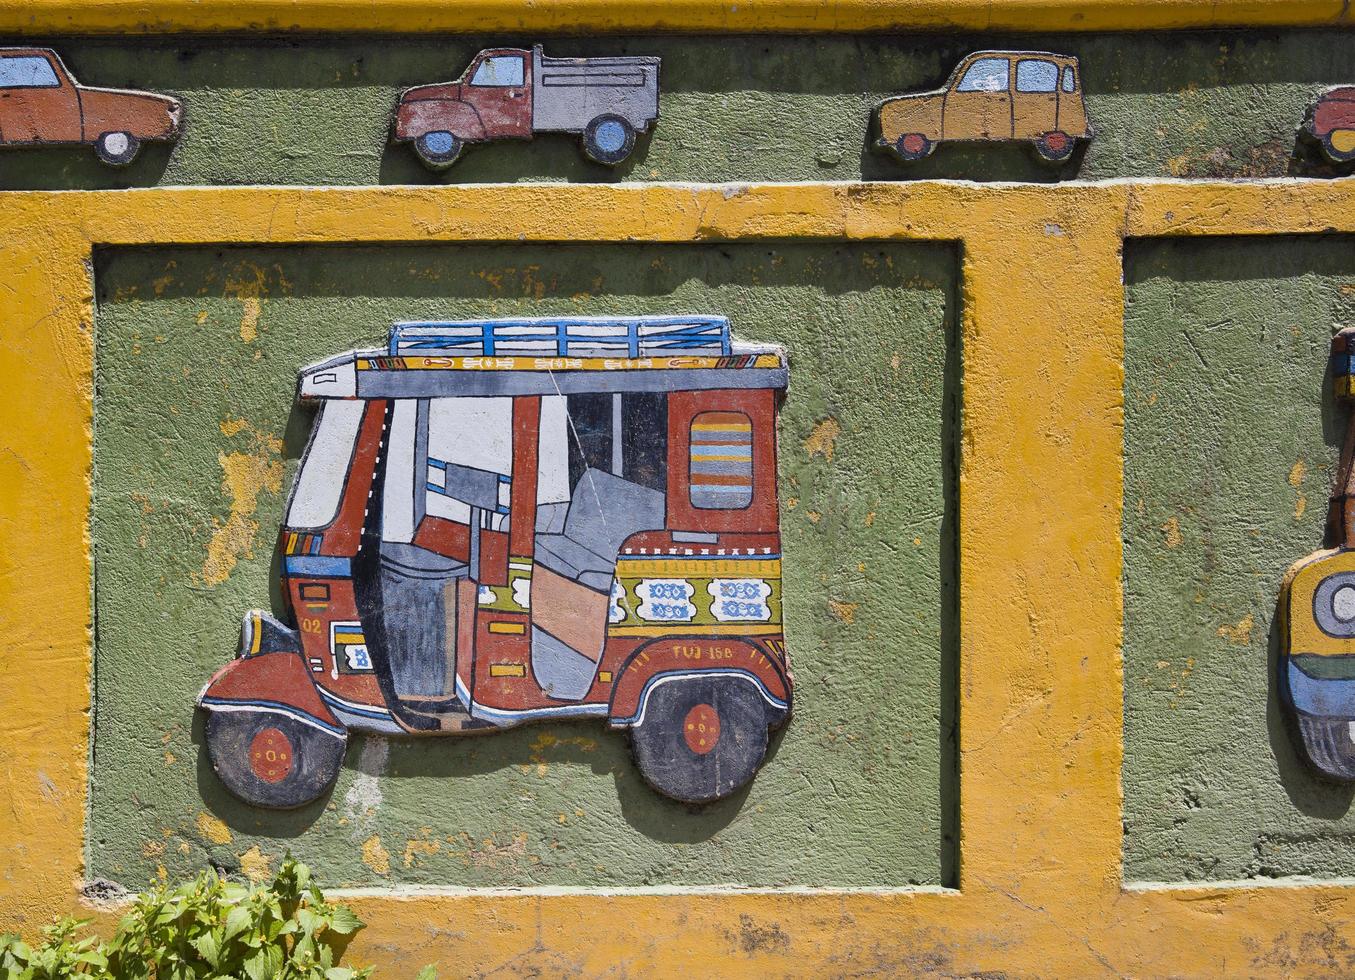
560	355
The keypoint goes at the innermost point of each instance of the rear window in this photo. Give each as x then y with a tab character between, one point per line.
1034	75
27	71
722	461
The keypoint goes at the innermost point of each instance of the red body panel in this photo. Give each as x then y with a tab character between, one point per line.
688	654
760	407
475	113
1335	110
269	677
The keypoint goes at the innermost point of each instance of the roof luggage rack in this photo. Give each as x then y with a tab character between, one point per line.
564	337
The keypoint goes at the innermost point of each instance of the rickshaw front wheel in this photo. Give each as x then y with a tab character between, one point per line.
272	760
701	738
1329	744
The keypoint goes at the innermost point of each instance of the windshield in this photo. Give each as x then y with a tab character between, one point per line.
324	468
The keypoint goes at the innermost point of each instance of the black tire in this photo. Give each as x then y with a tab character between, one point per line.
913	146
1333	154
1055	147
669	759
314	765
117	149
1328	745
439	150
608	139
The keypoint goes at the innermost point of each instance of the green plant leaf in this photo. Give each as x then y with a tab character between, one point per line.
344	921
429	972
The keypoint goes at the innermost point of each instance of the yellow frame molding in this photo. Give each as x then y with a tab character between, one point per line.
38	17
1040	566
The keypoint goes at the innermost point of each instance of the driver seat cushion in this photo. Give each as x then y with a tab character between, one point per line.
605	510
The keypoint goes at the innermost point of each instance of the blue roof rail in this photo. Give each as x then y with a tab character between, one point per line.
628	337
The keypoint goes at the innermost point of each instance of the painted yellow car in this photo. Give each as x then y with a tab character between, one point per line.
994	96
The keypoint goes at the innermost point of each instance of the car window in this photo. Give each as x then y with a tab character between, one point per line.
985	75
1035	75
503	71
722	461
27	71
1068	82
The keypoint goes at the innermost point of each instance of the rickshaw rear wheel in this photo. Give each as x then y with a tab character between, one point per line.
701	738
272	760
1329	744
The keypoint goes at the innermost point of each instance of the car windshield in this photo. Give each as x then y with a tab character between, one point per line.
501	71
27	71
319	485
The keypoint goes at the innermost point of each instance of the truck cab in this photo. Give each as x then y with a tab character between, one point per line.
41	103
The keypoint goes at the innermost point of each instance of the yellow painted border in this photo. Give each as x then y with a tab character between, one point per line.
1040	565
37	17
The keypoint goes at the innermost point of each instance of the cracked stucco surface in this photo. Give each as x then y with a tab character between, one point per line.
1231	444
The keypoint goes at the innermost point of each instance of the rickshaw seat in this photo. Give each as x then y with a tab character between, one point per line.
604	511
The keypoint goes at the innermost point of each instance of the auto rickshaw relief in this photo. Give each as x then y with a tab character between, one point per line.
505	521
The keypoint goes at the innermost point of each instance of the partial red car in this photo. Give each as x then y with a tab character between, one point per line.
41	103
1332	123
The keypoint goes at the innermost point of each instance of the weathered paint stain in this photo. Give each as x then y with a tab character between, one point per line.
213	829
1238	633
244	477
375	856
823	440
1296	477
256	865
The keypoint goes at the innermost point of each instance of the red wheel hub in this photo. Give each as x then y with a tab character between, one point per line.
1057	142
270	755
914	143
701	728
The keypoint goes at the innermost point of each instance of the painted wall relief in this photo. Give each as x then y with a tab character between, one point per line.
512	93
1331	123
41	103
1317	606
505	521
993	96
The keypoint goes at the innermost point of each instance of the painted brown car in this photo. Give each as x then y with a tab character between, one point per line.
41	104
1033	96
1332	123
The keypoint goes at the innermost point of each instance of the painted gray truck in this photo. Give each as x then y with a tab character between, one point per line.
512	93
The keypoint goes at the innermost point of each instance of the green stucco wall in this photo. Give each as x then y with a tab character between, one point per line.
1231	444
317	110
196	439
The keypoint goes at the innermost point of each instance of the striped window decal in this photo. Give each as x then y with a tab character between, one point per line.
722	461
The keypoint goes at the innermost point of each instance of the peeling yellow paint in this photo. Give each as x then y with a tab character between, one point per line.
1296	476
375	856
844	612
823	439
244	477
1240	633
213	829
421	847
256	865
1173	532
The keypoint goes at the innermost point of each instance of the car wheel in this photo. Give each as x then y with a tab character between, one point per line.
608	139
1339	145
117	149
439	149
1328	744
1056	146
913	146
271	760
700	739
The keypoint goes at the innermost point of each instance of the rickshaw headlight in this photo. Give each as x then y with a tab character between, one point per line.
1334	605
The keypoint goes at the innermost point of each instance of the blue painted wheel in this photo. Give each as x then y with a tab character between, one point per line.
438	149
608	139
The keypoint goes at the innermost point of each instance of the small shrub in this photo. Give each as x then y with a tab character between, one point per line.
205	929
